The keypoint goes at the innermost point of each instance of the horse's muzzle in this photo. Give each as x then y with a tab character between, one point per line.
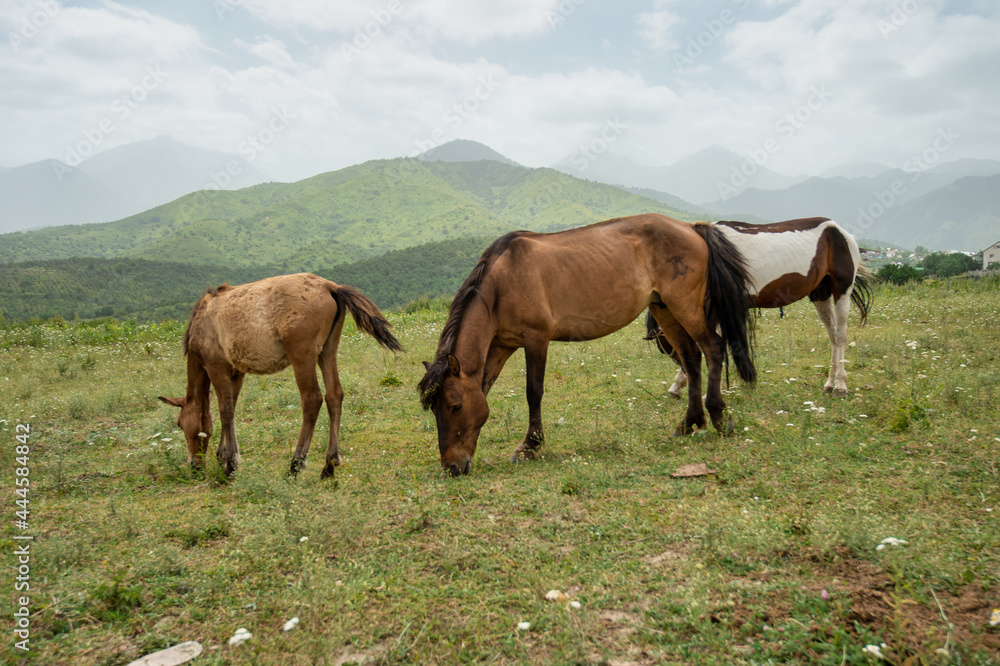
455	470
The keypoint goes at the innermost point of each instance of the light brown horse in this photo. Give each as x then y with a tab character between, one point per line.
581	284
789	261
261	328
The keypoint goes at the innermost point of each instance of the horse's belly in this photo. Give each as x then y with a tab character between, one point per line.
257	359
596	323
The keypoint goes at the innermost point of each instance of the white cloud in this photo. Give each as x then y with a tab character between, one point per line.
892	86
499	73
270	50
655	28
456	20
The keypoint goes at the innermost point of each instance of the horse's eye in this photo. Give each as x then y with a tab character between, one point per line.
456	409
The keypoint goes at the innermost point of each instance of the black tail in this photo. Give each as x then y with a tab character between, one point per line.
366	315
863	294
728	301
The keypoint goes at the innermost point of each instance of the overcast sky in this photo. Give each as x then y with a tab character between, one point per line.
305	86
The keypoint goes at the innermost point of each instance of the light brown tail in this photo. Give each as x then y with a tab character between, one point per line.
366	315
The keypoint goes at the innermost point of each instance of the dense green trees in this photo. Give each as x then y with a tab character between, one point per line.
897	274
947	265
152	290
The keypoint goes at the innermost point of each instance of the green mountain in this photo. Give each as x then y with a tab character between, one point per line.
396	229
339	217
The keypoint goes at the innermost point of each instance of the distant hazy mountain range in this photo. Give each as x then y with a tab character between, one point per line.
951	206
871	199
115	183
399	229
341	216
463	150
701	178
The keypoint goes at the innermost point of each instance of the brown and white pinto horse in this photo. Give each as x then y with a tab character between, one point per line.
790	260
581	284
261	328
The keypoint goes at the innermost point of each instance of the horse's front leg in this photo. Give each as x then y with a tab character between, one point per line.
496	357
535	355
680	381
227	388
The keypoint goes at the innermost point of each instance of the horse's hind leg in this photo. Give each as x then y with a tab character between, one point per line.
836	330
687	353
312	399
714	353
843	309
334	404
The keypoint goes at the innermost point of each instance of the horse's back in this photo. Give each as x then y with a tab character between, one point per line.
587	282
248	325
787	260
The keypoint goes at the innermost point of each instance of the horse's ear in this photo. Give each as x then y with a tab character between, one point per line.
453	365
176	402
427	366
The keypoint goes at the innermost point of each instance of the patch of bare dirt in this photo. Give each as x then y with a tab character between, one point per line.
875	602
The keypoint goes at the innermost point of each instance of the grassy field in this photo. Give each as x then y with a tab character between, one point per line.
772	558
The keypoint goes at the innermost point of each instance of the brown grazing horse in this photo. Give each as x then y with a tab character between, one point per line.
261	328
581	284
790	260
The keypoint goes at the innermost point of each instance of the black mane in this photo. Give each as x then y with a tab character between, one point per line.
429	385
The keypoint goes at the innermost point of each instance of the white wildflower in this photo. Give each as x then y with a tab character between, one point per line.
241	636
291	624
524	626
890	541
875	650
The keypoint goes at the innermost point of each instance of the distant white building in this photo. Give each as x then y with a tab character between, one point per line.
991	255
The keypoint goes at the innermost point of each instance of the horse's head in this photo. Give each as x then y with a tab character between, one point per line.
460	409
195	420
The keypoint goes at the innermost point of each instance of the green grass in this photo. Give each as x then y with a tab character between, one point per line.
771	559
